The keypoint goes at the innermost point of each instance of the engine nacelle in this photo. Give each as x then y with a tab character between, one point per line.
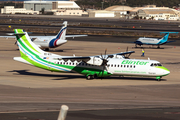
95	61
118	56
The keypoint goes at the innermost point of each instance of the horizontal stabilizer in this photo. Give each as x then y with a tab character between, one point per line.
17	34
169	32
20	59
171	41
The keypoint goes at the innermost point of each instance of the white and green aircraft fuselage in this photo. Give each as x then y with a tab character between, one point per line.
90	66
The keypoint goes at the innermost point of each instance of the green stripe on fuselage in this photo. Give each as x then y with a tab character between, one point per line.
23	37
162	67
79	69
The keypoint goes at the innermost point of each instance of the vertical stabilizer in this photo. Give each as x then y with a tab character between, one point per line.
26	46
62	32
165	38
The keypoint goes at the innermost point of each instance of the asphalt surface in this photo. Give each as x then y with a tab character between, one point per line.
30	93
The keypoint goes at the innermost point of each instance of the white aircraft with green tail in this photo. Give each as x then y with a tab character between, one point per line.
90	66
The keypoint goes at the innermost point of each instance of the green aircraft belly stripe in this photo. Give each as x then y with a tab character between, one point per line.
161	67
25	40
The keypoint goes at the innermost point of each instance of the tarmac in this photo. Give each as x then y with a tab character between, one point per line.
32	93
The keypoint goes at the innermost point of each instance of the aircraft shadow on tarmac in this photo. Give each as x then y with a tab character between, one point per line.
172	63
10	50
69	76
25	72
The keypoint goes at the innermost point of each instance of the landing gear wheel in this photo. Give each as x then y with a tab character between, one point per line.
89	77
46	49
158	78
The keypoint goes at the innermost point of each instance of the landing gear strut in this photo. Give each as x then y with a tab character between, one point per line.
158	78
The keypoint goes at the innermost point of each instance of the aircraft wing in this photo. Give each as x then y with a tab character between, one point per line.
170	41
76	36
75	58
54	36
95	60
122	53
12	36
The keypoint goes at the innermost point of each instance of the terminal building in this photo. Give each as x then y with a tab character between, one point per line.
57	7
12	10
158	13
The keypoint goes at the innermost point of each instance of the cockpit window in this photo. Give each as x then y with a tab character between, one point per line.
156	64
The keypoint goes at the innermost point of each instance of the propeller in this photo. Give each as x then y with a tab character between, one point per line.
15	43
127	55
104	63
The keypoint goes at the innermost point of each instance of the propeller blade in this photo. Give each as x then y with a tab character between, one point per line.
105	52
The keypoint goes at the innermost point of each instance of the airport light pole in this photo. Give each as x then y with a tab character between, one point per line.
40	6
102	5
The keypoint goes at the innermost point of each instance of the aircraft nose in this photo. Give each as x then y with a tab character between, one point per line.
166	72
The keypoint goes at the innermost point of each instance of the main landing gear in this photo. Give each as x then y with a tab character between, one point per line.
90	77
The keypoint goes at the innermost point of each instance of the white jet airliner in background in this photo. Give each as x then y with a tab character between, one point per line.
154	41
46	42
90	66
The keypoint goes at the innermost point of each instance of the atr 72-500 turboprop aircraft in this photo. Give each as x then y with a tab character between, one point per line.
90	66
46	42
154	41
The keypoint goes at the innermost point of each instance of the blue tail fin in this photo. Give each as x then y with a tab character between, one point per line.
62	32
165	38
